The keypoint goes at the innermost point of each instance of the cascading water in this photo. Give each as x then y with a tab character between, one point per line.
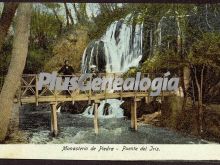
120	48
107	109
117	50
123	46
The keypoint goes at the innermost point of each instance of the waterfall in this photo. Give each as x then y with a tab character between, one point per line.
113	109
120	48
117	50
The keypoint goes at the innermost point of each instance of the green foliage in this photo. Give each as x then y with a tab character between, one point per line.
69	47
100	23
206	51
44	27
36	59
163	60
5	56
131	72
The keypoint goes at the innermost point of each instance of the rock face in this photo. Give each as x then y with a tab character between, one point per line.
171	111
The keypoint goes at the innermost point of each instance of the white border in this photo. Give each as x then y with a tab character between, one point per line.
167	152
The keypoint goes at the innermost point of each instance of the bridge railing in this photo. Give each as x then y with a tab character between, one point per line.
29	85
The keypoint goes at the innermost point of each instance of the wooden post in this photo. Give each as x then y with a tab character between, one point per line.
146	99
134	115
36	91
54	127
121	91
162	97
105	87
96	119
19	94
90	92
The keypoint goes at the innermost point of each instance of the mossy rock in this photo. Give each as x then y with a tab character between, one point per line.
171	110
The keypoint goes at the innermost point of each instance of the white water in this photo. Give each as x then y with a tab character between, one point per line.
122	48
34	128
122	44
114	110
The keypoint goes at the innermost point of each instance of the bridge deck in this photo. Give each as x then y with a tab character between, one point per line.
84	97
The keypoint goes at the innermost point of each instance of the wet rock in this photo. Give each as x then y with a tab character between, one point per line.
153	118
106	109
142	107
76	108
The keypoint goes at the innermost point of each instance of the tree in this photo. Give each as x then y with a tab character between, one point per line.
80	12
204	55
68	15
18	59
55	7
44	27
6	19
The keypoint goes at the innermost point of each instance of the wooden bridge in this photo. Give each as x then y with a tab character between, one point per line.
29	93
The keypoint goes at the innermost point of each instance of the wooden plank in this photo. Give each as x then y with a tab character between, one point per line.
138	99
96	127
84	97
28	85
97	101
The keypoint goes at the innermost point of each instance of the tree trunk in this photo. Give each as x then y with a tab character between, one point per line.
6	19
58	20
185	84
199	109
77	13
71	17
200	101
16	67
68	15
